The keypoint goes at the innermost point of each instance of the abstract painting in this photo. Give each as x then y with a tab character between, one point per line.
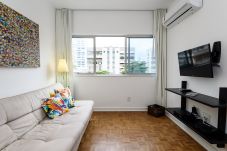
19	40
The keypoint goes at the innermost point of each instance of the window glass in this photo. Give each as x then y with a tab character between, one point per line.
83	55
110	53
141	56
114	55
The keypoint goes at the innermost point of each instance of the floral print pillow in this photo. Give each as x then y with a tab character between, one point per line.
66	96
55	106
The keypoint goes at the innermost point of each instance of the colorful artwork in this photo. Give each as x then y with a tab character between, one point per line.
19	40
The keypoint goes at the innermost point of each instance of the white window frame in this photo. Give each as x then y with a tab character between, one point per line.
126	60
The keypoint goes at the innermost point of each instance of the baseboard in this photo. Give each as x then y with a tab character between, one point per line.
111	109
195	136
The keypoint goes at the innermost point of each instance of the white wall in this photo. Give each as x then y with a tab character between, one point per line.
111	93
17	81
112	22
205	26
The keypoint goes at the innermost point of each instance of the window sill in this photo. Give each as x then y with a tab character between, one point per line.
115	75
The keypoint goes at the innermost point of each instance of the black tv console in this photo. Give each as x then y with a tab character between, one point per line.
217	134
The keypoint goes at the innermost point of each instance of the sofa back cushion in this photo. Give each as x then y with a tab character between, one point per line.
16	107
19	114
39	114
3	117
22	125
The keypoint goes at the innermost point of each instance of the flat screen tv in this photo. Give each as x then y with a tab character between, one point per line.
196	62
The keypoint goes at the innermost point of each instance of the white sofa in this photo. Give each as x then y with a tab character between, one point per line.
25	127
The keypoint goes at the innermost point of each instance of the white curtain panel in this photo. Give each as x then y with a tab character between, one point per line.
63	45
160	34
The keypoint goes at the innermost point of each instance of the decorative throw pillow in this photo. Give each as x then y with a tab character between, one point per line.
66	96
55	106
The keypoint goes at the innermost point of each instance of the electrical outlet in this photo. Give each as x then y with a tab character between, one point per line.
206	117
129	99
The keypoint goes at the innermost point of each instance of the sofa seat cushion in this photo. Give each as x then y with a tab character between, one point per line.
84	103
63	144
6	136
49	132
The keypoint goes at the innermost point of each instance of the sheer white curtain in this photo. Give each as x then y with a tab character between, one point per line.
63	44
160	35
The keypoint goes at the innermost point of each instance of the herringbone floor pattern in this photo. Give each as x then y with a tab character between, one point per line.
135	131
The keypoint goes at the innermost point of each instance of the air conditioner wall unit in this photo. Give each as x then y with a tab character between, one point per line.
180	10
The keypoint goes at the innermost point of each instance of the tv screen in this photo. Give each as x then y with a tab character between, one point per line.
196	62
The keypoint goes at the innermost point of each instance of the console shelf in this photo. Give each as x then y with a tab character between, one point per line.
201	98
210	133
212	139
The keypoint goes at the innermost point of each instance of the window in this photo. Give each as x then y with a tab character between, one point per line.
108	56
114	55
141	56
83	55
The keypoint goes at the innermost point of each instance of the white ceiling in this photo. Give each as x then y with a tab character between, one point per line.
112	4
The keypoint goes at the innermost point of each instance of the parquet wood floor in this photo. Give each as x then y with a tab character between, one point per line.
135	131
